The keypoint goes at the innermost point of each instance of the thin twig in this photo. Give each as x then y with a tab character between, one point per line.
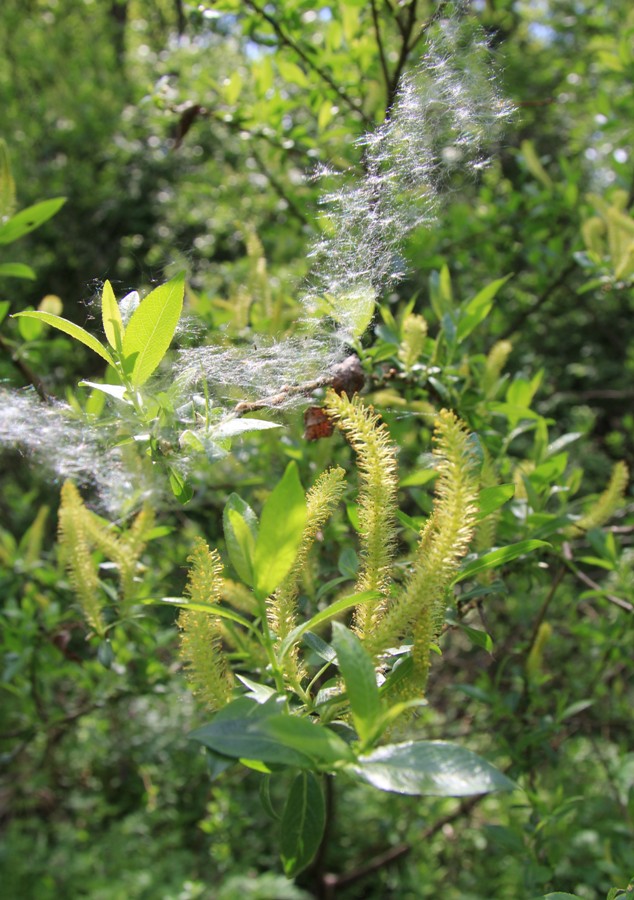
333	882
585	579
379	42
279	188
25	371
544	297
311	64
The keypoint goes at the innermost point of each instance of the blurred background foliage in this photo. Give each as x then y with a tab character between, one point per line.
181	135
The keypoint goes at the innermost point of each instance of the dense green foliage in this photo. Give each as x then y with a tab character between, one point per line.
180	136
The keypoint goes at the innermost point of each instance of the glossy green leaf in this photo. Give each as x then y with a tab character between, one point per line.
316	741
151	328
241	532
499	557
111	316
69	328
16	270
359	677
29	219
248	737
430	768
493	498
281	526
303	823
478	308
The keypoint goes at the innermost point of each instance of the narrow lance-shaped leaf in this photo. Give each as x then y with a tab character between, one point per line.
17	270
151	329
29	219
497	558
75	331
241	532
359	676
430	768
281	525
303	823
111	316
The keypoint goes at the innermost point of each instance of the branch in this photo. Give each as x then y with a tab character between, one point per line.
332	882
379	41
585	579
543	298
313	66
28	374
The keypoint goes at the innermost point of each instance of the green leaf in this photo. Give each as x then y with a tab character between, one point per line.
29	219
493	498
359	676
241	533
478	308
212	608
430	768
315	741
303	823
248	737
16	270
559	895
281	526
319	618
179	487
234	427
69	328
30	329
478	637
497	558
151	329
4	309
111	316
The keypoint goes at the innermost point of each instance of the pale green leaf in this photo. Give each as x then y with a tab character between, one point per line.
151	329
16	270
111	316
69	328
241	532
281	527
29	219
478	308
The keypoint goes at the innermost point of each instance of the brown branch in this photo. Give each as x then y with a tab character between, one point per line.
542	299
28	374
279	188
332	882
379	42
288	41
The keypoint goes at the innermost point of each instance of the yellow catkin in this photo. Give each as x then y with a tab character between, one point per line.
376	464
494	365
76	553
200	644
418	612
607	504
414	332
